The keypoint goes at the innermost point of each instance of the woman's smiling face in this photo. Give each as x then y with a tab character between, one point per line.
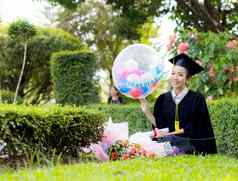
179	77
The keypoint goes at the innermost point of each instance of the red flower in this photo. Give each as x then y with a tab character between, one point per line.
183	47
125	156
114	155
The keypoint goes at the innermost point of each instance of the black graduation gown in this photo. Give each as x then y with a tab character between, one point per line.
193	118
118	101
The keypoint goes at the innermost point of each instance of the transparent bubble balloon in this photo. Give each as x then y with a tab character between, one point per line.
137	71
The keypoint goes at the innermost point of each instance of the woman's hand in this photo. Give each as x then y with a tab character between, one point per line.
157	133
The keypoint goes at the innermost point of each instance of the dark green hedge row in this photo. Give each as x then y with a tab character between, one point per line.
8	97
48	129
224	116
73	77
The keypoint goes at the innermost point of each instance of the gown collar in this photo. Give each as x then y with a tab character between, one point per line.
178	98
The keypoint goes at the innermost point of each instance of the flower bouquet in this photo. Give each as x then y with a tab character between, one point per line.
116	145
122	150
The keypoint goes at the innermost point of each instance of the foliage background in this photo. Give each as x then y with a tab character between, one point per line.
217	53
36	86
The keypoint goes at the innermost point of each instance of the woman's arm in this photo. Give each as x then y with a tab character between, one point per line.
159	134
146	109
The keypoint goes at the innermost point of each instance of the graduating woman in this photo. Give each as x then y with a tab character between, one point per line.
183	111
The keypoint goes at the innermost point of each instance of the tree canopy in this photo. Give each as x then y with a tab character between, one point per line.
203	15
71	4
36	85
94	23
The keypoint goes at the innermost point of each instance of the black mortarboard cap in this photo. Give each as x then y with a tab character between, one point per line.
185	61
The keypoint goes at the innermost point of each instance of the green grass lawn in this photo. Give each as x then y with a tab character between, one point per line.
187	168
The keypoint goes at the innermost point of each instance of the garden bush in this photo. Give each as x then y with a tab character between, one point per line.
63	130
47	130
73	77
8	97
224	115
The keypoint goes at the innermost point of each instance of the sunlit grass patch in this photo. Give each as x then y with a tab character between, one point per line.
190	168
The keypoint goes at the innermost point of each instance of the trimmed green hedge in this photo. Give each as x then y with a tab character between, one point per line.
48	130
54	129
224	115
125	112
73	77
223	112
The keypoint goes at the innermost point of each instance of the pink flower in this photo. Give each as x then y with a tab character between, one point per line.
86	149
106	139
231	44
212	72
172	40
142	151
226	69
233	78
132	150
232	69
190	34
210	97
183	47
236	67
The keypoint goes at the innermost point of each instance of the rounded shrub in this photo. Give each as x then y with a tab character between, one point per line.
21	30
73	77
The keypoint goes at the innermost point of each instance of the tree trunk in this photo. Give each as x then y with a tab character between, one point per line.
204	11
21	74
110	77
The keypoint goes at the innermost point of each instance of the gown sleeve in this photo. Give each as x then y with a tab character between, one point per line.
120	100
161	122
202	129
